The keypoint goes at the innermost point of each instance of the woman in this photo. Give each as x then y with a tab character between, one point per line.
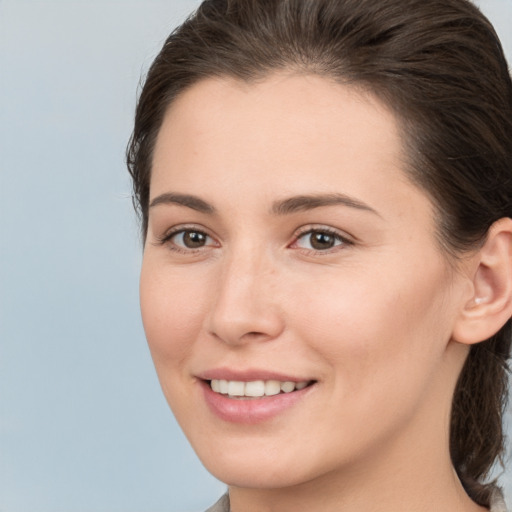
325	189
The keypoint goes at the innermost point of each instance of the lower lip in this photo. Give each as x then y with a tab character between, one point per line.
254	410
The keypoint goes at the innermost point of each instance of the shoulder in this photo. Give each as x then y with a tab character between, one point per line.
223	505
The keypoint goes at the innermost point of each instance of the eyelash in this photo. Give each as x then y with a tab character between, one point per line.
340	241
166	239
343	240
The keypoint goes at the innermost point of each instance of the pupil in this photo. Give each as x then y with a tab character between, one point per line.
322	241
193	239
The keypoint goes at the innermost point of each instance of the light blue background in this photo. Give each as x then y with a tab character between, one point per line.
83	423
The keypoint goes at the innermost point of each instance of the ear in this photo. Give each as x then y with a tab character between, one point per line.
490	305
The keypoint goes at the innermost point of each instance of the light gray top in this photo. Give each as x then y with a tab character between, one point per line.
497	503
221	506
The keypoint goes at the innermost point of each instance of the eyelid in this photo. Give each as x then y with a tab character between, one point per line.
175	230
344	238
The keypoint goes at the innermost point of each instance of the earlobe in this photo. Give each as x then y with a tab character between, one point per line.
490	306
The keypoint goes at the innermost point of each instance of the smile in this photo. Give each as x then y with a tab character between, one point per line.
255	388
252	401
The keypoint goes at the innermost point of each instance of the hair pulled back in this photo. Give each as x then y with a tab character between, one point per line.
439	65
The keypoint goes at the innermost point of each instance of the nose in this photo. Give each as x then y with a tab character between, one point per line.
246	307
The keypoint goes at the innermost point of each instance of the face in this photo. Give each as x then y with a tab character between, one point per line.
291	266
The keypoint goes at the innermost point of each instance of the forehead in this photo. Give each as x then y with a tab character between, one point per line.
298	105
282	136
297	120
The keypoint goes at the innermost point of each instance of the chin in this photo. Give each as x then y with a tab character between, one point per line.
244	468
255	476
263	467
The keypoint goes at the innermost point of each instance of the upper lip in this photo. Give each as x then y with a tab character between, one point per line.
248	375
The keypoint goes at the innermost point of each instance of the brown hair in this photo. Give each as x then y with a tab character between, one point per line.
439	65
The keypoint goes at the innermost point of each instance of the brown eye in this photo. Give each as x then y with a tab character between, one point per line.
190	239
322	241
318	240
193	239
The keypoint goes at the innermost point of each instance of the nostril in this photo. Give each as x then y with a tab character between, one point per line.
255	336
238	325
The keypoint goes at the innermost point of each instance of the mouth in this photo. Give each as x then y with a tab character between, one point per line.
256	389
252	396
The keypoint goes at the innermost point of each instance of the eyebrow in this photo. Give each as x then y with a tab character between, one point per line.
282	207
310	202
190	201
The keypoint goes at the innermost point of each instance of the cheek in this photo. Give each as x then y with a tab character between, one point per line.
172	311
380	329
384	344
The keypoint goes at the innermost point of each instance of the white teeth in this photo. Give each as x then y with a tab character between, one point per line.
223	387
236	388
287	387
255	388
272	387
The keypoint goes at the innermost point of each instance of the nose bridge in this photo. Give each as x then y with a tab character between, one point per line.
244	307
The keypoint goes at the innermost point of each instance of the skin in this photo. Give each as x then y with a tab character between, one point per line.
370	319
